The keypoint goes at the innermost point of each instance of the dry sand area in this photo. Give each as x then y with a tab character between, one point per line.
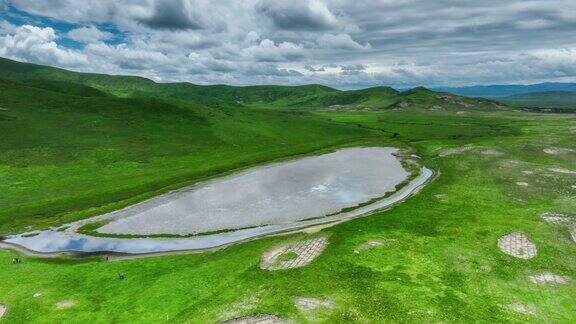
520	308
297	254
562	170
455	150
257	319
557	150
518	245
548	278
309	304
65	304
370	244
492	152
562	220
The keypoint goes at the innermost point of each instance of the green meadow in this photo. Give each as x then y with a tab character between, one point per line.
76	145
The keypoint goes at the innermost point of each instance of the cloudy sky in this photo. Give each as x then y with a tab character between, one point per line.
341	43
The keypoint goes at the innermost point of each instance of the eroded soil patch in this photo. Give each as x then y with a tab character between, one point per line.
548	278
520	308
2	310
309	304
65	304
518	245
294	255
258	319
562	220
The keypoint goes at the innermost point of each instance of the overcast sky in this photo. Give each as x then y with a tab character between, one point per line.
340	43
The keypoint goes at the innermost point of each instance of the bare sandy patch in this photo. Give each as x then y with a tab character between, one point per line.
441	197
455	150
548	278
370	244
309	304
294	255
65	304
558	219
2	310
520	308
37	294
522	184
557	150
562	170
492	152
528	172
562	220
518	245
257	319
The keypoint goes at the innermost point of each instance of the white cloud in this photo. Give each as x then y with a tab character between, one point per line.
89	34
298	15
36	44
341	41
268	51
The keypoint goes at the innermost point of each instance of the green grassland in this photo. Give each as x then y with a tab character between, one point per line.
557	100
68	151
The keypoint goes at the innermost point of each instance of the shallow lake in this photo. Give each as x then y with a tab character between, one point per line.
279	193
260	201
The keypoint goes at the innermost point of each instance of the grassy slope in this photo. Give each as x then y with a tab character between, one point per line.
63	157
308	96
549	99
440	262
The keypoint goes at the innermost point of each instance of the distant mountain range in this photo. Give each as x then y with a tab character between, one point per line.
505	90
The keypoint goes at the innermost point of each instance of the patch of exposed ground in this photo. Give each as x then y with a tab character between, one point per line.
455	150
2	310
37	294
562	220
440	197
492	152
371	244
528	172
294	255
257	319
241	307
518	245
556	150
522	184
548	278
520	308
309	304
562	170
65	304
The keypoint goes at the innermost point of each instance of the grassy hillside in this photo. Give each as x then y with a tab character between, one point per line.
547	99
64	156
128	86
268	96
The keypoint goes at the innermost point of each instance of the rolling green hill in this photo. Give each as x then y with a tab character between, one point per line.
266	96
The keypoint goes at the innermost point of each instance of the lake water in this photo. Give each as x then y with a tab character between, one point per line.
280	193
260	201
